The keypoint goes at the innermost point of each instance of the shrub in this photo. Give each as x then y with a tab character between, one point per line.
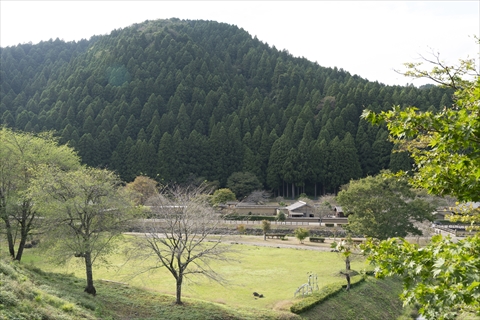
281	216
67	307
301	234
241	229
266	226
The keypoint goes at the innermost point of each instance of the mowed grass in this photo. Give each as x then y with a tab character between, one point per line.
274	272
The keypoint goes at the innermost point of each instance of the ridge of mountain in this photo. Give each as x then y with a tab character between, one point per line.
185	100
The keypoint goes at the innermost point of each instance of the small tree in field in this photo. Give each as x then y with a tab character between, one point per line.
142	188
241	229
266	227
301	234
85	209
281	217
180	243
347	249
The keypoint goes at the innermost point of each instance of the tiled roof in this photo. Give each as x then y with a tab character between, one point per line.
296	205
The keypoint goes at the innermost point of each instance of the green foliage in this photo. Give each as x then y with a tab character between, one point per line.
301	234
86	211
443	277
243	183
445	143
266	226
222	196
141	189
22	155
322	295
281	217
382	207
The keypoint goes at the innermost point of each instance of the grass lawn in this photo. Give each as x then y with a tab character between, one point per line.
274	272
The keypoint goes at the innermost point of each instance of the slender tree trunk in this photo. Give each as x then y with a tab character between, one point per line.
90	289
21	245
179	289
347	275
347	272
25	225
293	190
11	245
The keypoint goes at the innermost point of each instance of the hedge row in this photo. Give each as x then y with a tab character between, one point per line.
323	294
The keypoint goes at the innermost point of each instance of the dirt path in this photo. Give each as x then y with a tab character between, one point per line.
290	242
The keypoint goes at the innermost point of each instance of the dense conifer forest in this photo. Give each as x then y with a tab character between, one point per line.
181	100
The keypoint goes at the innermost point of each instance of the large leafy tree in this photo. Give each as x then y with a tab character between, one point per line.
382	207
442	277
445	145
243	183
141	189
86	209
21	156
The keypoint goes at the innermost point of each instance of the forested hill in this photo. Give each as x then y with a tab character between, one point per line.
180	100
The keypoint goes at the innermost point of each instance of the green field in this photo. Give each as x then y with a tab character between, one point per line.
274	272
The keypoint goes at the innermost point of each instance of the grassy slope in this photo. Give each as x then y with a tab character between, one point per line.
29	293
371	300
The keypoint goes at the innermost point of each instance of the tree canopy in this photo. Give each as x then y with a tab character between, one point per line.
21	156
86	210
383	206
442	277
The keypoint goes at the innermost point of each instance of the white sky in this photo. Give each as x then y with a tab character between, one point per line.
368	38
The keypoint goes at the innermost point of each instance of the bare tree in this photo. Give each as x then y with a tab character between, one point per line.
258	197
178	236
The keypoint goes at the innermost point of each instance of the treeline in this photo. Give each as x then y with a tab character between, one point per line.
185	100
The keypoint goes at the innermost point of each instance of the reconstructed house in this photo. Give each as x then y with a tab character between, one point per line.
299	209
